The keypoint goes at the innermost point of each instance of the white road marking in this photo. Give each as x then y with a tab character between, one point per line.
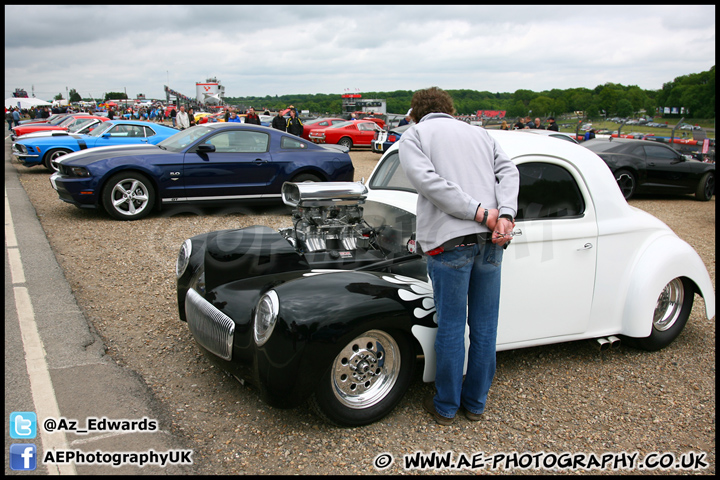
41	385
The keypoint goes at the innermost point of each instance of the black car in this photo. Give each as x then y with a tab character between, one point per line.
642	166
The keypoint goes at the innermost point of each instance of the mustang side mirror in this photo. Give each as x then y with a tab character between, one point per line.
205	148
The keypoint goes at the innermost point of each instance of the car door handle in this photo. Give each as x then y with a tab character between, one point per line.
587	246
517	233
260	160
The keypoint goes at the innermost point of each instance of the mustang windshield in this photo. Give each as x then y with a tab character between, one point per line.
181	140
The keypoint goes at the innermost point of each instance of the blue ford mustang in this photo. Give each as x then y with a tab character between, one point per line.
46	150
209	163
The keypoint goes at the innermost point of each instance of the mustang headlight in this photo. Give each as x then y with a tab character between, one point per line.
183	258
266	315
79	171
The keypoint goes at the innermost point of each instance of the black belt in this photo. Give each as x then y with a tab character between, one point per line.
467	240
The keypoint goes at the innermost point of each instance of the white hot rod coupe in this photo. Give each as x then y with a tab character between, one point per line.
336	308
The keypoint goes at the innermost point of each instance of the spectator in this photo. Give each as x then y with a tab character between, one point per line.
9	118
519	125
183	121
16	117
173	116
538	124
504	125
191	117
406	120
294	124
111	113
553	126
529	123
252	117
234	118
589	134
279	122
467	198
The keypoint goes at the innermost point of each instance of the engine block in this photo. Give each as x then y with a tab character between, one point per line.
326	216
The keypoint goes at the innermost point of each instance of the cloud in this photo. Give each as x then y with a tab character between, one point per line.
326	48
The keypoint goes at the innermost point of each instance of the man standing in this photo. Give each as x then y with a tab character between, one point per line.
553	126
279	121
294	124
467	200
16	117
183	121
252	117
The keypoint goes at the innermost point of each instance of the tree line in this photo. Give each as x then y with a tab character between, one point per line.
694	92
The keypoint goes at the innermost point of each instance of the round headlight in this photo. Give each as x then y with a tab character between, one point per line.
183	258
266	315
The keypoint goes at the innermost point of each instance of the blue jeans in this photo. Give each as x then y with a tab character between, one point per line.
466	286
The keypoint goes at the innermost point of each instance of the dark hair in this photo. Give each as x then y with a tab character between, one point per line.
431	100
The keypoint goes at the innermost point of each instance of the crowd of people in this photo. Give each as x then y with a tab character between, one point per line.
529	123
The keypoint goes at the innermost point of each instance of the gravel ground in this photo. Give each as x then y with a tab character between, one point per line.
559	398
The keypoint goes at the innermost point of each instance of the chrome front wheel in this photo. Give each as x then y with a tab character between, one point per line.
367	378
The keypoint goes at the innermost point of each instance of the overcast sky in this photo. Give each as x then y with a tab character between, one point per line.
260	50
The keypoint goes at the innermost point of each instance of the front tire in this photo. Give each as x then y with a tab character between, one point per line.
366	380
706	187
627	183
128	196
50	159
671	313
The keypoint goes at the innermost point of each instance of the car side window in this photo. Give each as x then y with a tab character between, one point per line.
547	191
239	142
639	151
660	153
290	142
149	132
119	131
135	131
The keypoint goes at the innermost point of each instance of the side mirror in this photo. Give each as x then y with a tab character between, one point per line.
205	148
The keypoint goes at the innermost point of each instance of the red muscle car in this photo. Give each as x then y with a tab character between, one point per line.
348	134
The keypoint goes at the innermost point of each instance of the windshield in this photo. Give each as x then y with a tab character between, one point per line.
181	140
100	129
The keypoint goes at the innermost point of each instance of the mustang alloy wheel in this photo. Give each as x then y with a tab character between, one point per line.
128	196
671	313
366	380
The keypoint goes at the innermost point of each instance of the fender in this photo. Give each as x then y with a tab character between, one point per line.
306	340
652	271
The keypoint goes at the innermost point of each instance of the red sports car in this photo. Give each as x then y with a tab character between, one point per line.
67	123
319	124
348	134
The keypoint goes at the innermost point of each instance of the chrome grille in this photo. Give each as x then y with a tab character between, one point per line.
211	328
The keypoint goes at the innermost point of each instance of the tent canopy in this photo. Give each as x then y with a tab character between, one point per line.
13	102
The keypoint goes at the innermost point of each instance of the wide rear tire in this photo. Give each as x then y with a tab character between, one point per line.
671	313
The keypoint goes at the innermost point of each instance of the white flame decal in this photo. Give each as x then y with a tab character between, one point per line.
417	291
